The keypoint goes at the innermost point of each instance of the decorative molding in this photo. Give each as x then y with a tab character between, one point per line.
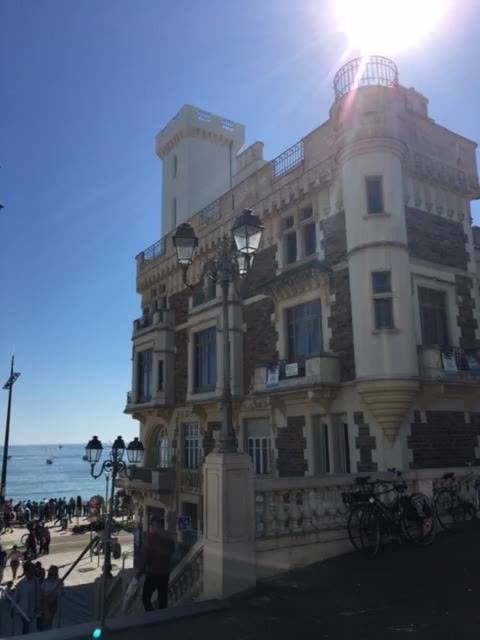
300	279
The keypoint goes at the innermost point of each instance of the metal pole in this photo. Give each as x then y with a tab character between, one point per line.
107	565
226	440
7	436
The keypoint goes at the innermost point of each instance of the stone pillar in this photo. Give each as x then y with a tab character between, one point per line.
229	524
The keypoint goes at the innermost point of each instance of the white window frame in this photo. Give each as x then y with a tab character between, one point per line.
336	459
164	452
191	446
256	446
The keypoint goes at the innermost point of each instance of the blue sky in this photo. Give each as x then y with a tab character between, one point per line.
85	87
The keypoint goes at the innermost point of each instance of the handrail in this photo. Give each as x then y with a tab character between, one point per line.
14	604
92	543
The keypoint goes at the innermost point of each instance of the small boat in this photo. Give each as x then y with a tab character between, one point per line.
85	457
49	461
8	457
60	446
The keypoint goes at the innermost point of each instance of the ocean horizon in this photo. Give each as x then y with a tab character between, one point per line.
30	477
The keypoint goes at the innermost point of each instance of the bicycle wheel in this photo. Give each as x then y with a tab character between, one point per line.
23	539
353	525
417	519
450	510
370	531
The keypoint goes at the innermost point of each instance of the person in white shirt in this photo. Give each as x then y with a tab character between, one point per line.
51	591
27	596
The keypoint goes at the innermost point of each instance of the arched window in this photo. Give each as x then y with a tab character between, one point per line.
163	450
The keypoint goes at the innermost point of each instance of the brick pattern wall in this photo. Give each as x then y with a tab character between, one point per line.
436	239
444	440
178	303
340	322
180	369
262	273
290	443
208	439
259	338
466	319
334	238
365	443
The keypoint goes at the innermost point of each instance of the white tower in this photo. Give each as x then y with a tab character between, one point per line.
198	151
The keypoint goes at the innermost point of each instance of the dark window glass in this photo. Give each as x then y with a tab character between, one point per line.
309	239
206	359
304	330
383	313
160	375
288	222
306	213
205	293
374	195
433	317
381	282
291	247
144	375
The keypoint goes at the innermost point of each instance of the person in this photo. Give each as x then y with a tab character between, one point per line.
3	562
159	548
45	540
51	592
39	572
31	544
27	596
14	557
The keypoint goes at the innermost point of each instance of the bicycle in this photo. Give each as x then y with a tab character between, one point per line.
407	518
356	501
454	507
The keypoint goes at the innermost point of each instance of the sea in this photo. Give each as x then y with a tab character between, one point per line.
30	477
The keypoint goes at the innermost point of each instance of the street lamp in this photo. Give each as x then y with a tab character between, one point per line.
230	264
14	375
114	465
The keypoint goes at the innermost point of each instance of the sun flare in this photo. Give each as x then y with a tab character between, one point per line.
388	26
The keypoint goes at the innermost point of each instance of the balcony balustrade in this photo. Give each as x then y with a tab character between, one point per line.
449	363
318	370
146	479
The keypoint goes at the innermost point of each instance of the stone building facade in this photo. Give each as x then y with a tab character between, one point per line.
355	335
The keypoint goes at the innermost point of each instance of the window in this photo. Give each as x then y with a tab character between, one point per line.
433	316
259	444
382	300
290	247
204	293
341	447
144	375
163	450
306	213
374	195
160	375
309	239
304	329
288	222
191	446
321	446
175	166
206	360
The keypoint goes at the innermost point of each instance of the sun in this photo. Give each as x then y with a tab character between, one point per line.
388	26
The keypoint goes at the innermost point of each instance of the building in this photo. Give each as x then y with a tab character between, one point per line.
354	336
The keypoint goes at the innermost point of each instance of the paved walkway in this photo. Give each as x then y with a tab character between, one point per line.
406	592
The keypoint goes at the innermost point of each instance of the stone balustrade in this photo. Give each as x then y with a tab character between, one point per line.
290	506
186	580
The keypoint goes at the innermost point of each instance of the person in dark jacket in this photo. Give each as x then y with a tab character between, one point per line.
158	552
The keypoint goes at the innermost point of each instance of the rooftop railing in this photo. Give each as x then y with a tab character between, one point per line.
288	159
365	72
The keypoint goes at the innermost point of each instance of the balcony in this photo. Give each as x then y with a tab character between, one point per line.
161	399
157	319
145	479
190	480
283	375
452	363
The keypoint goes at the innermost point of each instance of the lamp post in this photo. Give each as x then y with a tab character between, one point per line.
113	466
14	375
232	262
